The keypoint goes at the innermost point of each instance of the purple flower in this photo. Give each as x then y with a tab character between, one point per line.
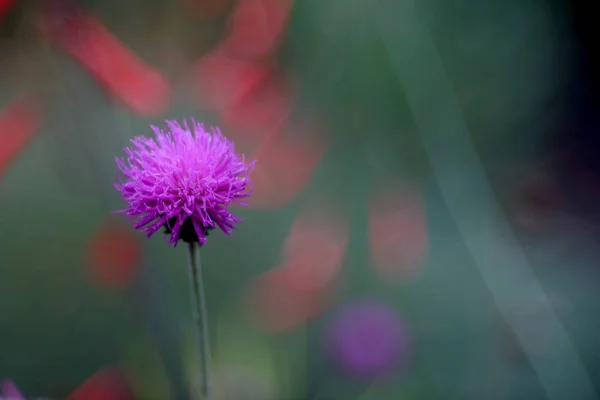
184	180
367	340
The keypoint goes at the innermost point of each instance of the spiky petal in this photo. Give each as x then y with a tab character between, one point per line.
184	174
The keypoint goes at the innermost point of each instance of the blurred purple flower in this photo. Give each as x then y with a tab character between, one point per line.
9	391
185	180
368	340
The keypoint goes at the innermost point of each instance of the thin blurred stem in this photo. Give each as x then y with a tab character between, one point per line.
200	318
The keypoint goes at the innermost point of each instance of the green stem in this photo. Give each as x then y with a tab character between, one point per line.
200	319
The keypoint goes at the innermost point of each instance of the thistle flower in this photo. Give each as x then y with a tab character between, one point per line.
184	180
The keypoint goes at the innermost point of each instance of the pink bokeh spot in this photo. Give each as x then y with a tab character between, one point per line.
265	107
313	253
275	308
110	383
107	384
284	166
19	122
113	255
398	233
122	73
301	287
256	27
219	81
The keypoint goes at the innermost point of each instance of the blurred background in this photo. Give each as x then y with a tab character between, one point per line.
424	223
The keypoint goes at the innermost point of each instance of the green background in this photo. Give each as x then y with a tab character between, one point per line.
508	63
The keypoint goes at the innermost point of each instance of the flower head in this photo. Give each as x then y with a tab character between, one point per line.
184	180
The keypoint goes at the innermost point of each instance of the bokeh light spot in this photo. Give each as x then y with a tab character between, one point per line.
313	253
127	77
107	384
19	121
284	166
368	340
267	106
276	309
113	255
256	27
220	81
398	233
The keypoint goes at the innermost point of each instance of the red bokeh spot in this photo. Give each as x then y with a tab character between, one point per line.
117	68
19	121
113	255
256	27
277	309
220	81
398	233
264	108
300	288
6	6
107	384
285	163
314	251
